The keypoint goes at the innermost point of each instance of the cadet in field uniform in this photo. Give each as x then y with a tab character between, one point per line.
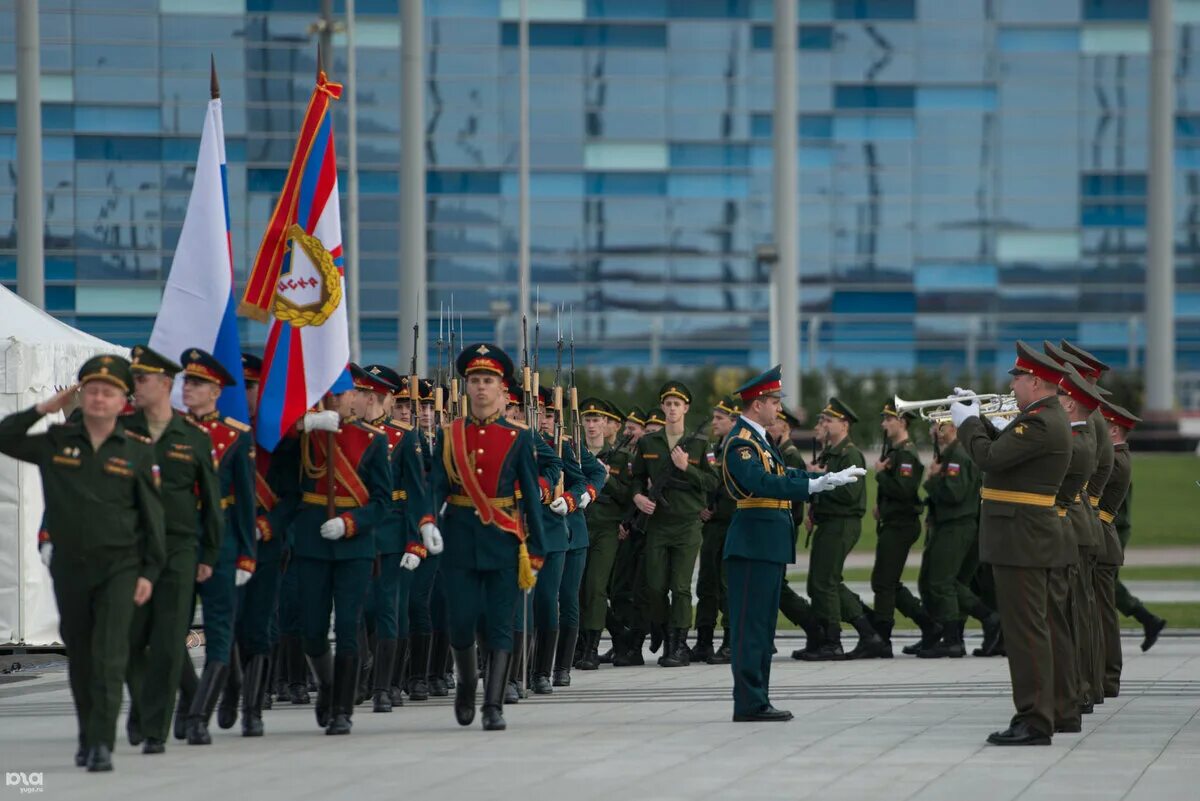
102	537
761	541
604	518
626	588
898	509
676	465
203	379
794	606
191	502
594	475
1020	533
837	517
711	586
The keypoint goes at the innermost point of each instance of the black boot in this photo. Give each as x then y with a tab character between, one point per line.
869	645
465	664
630	653
322	667
362	689
564	656
931	634
676	653
814	636
254	686
207	693
399	668
385	657
517	672
702	651
227	709
722	655
133	729
591	651
297	670
950	646
346	672
991	631
99	759
278	671
884	627
187	690
830	648
418	668
437	665
268	680
493	691
543	660
1152	626
658	636
448	662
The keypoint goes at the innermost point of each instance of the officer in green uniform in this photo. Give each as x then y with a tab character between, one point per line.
761	540
102	537
898	474
672	479
493	539
1120	421
626	620
191	502
604	518
711	585
837	518
1020	533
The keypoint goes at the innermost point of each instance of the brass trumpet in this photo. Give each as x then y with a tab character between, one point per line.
938	409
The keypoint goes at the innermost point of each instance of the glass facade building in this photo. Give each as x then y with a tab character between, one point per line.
971	171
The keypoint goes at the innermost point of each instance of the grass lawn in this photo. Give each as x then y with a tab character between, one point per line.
1165	498
1178	616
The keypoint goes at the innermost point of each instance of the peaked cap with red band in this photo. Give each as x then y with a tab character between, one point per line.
1065	359
1097	367
1030	362
768	384
484	357
251	368
1079	389
1119	415
370	382
204	366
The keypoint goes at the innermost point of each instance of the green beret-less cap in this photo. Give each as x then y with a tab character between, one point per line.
839	411
675	389
146	360
108	369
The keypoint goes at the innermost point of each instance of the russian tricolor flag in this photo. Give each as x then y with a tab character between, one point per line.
198	308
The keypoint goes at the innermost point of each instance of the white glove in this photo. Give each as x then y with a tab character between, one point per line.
431	537
584	500
46	551
559	506
241	577
963	393
410	561
1001	423
960	412
321	421
833	480
333	529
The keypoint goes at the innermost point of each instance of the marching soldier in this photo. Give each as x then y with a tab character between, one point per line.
102	538
673	468
711	585
492	544
794	606
837	518
203	379
627	587
191	501
761	540
1120	421
1020	533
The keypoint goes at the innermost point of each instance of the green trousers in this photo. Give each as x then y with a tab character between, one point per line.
95	610
754	605
949	561
895	540
155	658
627	587
832	541
795	607
602	555
1086	622
670	561
336	588
712	586
1127	602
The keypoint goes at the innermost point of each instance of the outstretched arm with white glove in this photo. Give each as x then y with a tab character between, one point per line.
961	410
834	480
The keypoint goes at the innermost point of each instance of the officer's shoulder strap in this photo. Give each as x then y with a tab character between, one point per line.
133	435
235	424
372	429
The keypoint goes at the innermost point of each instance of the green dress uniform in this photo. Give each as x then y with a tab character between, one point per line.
673	532
1070	634
1111	501
899	508
104	520
1021	536
191	500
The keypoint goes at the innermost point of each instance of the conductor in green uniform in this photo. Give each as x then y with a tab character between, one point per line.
761	540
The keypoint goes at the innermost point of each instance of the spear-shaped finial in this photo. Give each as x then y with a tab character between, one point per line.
214	87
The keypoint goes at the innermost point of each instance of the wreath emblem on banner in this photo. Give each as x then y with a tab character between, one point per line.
330	296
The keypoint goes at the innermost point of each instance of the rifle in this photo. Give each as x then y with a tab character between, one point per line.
453	355
576	425
636	521
558	393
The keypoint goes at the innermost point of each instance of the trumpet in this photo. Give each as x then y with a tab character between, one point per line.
938	409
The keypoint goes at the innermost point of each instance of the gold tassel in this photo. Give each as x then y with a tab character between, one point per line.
525	577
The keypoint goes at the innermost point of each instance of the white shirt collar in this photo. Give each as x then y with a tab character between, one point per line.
762	431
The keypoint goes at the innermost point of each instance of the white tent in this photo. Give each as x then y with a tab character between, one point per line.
37	354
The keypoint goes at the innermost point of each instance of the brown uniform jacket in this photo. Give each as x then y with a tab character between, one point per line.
1115	493
1074	511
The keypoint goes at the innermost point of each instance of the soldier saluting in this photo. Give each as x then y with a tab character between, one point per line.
103	537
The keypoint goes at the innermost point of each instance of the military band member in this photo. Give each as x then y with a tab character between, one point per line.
102	538
711	584
1120	422
191	500
492	542
1020	533
761	540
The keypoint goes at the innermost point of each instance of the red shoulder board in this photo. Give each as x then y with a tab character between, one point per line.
223	433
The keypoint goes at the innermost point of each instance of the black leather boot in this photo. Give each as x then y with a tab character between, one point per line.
543	660
1152	626
418	668
814	636
722	655
884	628
254	685
297	670
278	671
448	662
950	646
366	667
99	759
703	649
346	672
564	656
268	680
629	652
830	648
493	692
187	690
931	634
437	665
869	645
991	645
591	651
385	657
658	636
227	709
133	729
399	669
517	673
676	653
203	702
322	667
467	668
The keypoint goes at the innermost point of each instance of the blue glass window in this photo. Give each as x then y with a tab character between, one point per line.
976	98
117	119
955	276
705	155
58	117
339	6
1115	9
1187	126
460	8
1113	215
816	126
447	182
815	157
627	9
376	182
875	9
60	298
265	180
874	96
708	185
593	34
709	9
118	148
874	303
856	127
626	183
808	37
8	115
1113	185
761	125
1038	40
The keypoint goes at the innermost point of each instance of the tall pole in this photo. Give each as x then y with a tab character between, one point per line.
412	173
523	269
353	281
1160	245
785	276
31	278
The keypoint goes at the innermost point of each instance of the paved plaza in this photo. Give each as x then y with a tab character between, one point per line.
896	729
